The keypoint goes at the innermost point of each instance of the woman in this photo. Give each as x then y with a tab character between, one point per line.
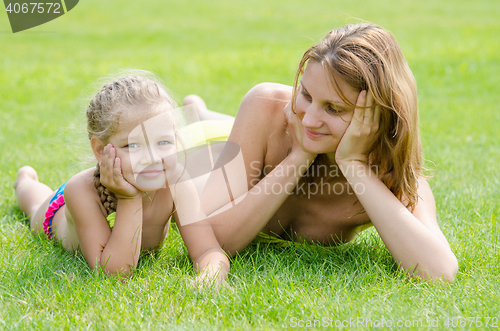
352	114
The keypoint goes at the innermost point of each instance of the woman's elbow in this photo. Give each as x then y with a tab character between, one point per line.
448	268
444	271
451	270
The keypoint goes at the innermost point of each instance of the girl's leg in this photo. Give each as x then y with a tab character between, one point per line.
31	194
34	198
203	112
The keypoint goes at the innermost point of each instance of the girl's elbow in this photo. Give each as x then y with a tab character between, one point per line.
115	269
121	272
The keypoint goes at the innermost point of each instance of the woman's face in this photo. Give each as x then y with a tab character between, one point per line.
322	115
147	151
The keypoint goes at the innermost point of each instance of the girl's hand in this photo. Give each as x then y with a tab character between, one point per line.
362	133
112	177
296	133
204	281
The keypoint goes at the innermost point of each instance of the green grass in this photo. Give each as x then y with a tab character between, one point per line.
219	50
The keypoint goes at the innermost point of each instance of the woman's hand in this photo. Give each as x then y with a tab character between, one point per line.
112	177
296	134
362	133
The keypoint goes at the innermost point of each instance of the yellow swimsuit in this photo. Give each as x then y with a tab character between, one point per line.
199	133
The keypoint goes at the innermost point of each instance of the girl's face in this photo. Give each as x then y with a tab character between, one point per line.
147	151
323	116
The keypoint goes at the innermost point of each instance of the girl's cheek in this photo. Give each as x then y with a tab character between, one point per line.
134	161
131	159
170	162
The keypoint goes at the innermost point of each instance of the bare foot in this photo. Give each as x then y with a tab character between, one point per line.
201	110
30	193
197	100
25	172
199	106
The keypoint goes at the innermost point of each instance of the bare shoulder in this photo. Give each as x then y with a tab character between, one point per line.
80	192
272	90
260	126
261	115
266	101
80	183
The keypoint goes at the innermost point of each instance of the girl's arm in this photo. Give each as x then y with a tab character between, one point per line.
115	251
260	117
209	260
414	239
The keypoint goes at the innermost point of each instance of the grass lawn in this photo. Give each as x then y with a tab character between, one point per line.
219	50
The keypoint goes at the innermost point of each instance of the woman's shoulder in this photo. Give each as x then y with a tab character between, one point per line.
272	96
263	106
260	127
272	89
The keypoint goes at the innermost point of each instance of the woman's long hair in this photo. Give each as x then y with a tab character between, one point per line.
369	58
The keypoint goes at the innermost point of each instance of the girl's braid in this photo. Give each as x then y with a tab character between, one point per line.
108	198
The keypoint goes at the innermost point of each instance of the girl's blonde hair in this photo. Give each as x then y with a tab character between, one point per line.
118	102
369	58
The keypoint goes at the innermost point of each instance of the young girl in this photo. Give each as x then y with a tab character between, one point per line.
123	205
352	114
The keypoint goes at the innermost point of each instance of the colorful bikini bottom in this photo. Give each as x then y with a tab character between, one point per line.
55	204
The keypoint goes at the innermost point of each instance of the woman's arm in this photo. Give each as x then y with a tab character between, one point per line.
259	118
414	239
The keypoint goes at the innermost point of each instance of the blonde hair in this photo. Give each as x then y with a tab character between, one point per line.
116	103
369	58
